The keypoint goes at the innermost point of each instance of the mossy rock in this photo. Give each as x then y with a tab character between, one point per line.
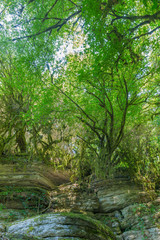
62	226
10	215
7	236
23	198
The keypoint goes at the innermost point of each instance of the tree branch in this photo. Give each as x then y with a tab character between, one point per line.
57	26
148	33
139	25
76	104
90	126
49	10
73	3
153	17
88	145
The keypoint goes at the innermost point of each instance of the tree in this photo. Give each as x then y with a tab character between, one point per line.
105	98
47	16
13	103
112	79
30	121
36	24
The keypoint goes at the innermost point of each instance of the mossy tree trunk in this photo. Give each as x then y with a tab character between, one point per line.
21	140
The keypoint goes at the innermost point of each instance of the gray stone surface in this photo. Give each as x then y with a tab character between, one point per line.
149	234
50	226
2	227
116	194
135	222
102	196
70	197
7	236
140	216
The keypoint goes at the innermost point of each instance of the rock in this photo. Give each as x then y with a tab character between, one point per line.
2	227
115	195
119	237
36	180
10	215
64	225
71	198
27	186
138	216
112	202
134	220
118	215
102	196
37	176
6	236
111	221
149	234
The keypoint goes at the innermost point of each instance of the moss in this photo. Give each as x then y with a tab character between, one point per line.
101	229
30	229
28	199
19	237
93	227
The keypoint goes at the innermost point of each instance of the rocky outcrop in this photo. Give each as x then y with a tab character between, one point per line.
117	203
135	222
141	221
62	226
148	234
72	197
121	205
36	176
23	186
7	236
26	186
115	194
101	196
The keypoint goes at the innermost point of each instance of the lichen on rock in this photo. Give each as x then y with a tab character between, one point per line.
62	225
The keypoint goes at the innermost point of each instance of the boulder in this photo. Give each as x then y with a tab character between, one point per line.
116	194
135	222
149	234
137	216
62	226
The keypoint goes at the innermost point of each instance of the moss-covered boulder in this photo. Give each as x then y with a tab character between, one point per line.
62	226
6	236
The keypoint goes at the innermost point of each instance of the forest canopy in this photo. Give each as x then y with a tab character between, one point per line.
80	85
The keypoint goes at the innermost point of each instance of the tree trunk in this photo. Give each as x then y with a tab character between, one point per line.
21	140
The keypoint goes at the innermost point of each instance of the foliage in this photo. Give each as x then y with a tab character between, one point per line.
79	110
9	236
143	212
139	151
33	200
